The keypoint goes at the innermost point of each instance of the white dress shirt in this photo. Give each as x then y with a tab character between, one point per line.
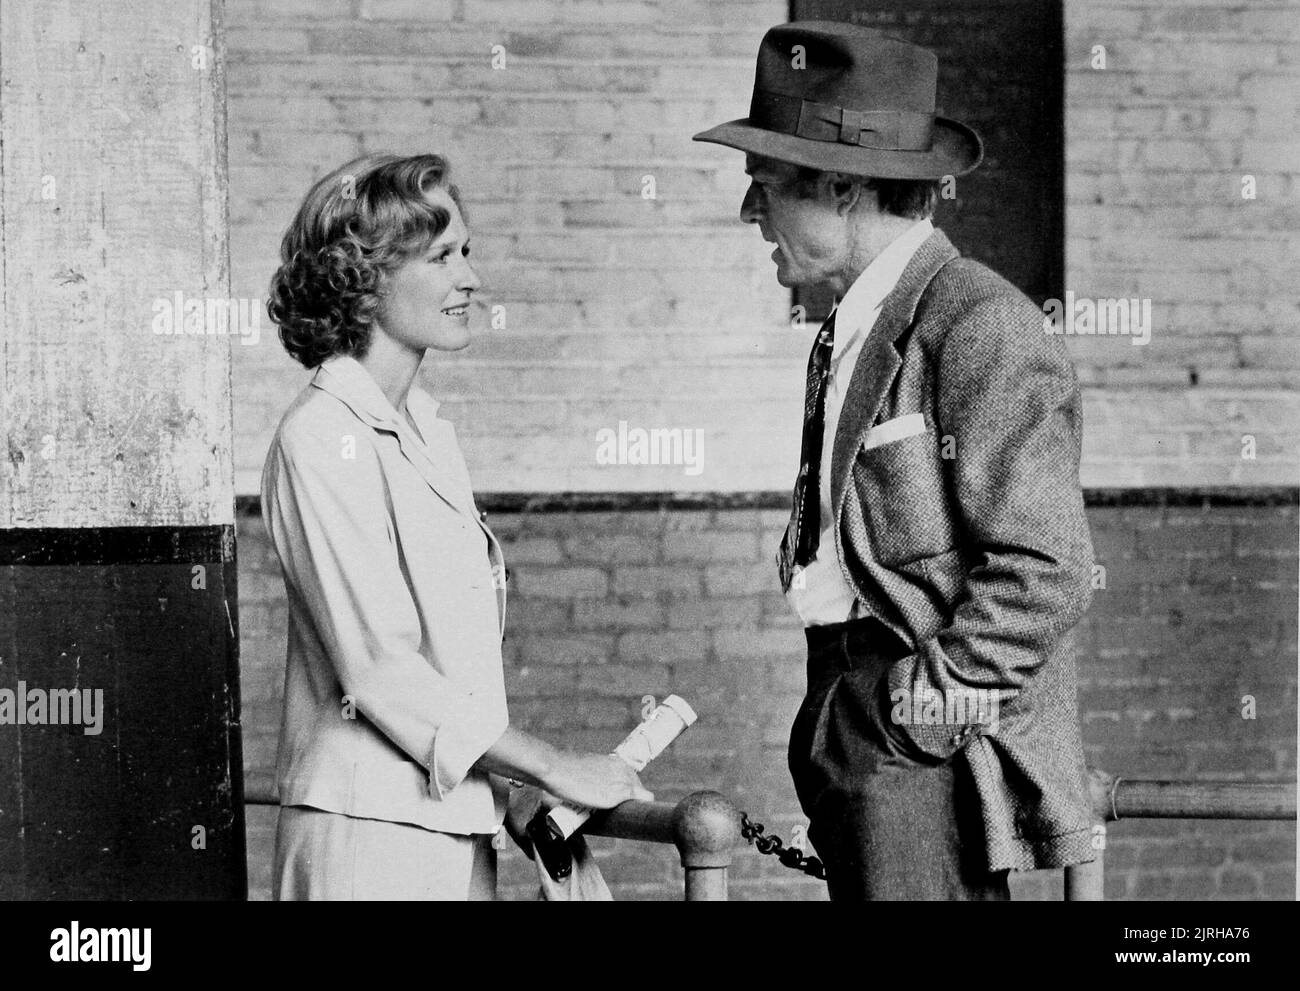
819	593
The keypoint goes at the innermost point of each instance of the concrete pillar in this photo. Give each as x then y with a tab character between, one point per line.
120	764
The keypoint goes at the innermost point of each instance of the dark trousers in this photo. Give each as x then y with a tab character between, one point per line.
887	820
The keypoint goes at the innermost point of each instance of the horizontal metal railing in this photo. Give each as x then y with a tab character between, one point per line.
704	826
1115	798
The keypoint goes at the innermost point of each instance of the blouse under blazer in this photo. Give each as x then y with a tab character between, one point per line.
393	684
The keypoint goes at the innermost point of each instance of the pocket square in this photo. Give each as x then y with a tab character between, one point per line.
895	429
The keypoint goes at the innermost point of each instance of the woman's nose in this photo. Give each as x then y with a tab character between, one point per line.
469	280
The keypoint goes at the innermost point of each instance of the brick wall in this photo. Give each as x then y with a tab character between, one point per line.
1195	95
1198	611
665	312
613	310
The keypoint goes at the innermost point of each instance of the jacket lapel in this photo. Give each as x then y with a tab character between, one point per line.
879	360
440	481
345	379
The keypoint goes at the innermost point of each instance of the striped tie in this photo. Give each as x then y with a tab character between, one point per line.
804	530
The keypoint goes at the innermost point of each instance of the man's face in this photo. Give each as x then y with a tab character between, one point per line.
811	236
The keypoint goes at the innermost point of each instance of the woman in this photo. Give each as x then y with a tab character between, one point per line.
394	701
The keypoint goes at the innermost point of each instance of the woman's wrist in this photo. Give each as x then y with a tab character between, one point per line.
521	757
542	761
549	761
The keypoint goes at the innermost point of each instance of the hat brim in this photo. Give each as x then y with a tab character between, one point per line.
955	150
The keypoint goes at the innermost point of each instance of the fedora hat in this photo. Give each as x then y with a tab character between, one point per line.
843	98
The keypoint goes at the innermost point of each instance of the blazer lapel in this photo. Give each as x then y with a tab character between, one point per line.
879	360
350	383
344	378
440	481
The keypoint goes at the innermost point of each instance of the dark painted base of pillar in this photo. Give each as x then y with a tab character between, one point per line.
151	805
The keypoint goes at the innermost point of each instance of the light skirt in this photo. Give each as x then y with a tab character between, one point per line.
327	856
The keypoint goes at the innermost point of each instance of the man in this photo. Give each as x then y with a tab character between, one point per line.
937	552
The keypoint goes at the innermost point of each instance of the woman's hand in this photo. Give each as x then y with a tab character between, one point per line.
593	780
597	781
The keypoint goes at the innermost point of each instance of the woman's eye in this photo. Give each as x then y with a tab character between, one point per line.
439	259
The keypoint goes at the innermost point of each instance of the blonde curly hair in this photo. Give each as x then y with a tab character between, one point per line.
354	228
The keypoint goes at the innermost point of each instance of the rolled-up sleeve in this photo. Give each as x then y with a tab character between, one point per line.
328	518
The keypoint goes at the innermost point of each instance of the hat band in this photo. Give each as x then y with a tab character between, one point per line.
891	130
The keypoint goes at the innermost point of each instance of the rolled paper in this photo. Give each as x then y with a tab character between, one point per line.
651	738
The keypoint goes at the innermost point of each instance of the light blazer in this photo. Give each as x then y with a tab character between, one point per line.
981	559
393	684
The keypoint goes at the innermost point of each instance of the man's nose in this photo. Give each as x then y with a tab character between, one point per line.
749	211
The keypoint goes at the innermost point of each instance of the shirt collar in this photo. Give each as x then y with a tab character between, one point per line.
867	294
345	377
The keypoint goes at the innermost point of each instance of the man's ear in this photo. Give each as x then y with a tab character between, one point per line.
844	190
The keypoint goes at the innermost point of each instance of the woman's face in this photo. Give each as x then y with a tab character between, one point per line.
427	299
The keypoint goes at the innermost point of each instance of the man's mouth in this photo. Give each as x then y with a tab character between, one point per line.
456	311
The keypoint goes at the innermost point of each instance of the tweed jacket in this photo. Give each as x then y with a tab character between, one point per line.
969	540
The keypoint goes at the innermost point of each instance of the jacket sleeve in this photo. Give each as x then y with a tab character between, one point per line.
328	519
1008	396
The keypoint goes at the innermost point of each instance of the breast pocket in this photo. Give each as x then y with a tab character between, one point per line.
903	493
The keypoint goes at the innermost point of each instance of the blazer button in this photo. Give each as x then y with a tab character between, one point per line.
482	516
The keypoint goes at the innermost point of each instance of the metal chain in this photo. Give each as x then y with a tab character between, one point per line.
791	857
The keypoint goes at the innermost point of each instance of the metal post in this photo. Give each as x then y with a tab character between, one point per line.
706	828
706	884
1086	882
